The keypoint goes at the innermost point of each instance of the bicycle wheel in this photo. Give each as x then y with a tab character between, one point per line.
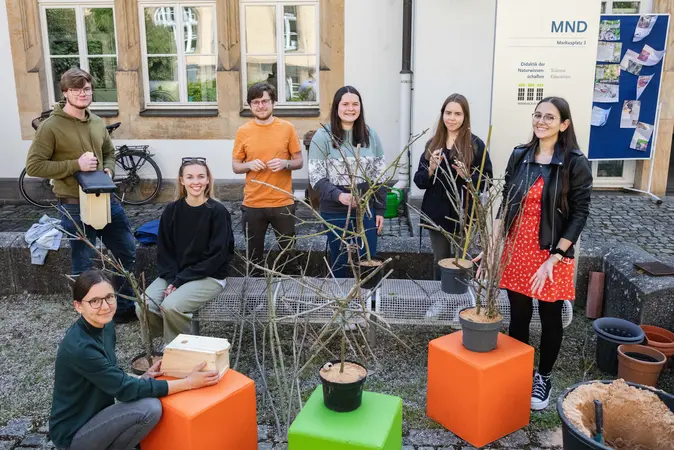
137	177
37	191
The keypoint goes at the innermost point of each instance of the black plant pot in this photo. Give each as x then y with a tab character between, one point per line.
366	270
141	356
574	439
343	397
612	332
454	280
479	337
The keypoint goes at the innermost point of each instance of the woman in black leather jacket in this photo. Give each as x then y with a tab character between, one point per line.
442	172
547	201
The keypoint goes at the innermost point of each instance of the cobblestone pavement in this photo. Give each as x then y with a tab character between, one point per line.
24	434
621	218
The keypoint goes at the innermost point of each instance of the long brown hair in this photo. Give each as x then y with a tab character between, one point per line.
566	140
361	135
463	145
182	192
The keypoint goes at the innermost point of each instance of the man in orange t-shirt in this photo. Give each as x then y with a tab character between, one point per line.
267	150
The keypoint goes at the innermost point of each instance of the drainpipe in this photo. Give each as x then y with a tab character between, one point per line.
405	97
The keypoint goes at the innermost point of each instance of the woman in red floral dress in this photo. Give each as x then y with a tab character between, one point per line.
546	204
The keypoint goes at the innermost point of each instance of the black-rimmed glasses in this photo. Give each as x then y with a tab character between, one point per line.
97	302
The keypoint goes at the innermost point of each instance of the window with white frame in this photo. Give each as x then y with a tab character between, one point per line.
280	46
81	35
626	7
179	53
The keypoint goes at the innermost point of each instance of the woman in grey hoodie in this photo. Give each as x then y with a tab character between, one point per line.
336	165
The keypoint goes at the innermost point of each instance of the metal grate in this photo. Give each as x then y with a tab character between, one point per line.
413	302
406	302
308	298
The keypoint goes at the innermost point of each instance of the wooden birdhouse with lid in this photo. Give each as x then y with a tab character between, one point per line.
95	190
187	351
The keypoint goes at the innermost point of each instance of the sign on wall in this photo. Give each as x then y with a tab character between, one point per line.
628	76
542	48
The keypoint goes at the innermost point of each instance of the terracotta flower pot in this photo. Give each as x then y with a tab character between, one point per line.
640	364
660	339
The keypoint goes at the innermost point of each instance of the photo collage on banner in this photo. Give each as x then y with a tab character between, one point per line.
627	85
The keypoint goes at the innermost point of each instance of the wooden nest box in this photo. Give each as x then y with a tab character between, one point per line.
187	351
95	190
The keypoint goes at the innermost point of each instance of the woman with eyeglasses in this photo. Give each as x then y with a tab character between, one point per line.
195	246
547	201
87	380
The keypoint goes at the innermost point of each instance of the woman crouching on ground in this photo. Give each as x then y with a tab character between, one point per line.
87	380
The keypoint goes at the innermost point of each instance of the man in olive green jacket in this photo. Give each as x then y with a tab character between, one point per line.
73	139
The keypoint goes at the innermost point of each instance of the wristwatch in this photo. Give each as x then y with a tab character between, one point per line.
557	253
287	164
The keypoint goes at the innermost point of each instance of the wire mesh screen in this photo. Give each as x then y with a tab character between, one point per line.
422	302
303	299
399	302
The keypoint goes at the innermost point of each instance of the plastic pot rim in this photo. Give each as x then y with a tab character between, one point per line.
659	362
339	361
618	339
479	325
572	428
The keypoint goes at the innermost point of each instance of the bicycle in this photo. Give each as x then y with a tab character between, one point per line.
133	186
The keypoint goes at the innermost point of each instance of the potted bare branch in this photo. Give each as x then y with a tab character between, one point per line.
350	318
112	266
343	380
480	324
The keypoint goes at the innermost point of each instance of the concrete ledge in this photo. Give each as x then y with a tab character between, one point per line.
628	294
18	275
635	296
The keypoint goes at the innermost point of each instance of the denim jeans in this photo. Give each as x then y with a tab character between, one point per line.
117	238
118	427
339	260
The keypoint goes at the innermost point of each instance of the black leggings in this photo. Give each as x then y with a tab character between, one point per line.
521	309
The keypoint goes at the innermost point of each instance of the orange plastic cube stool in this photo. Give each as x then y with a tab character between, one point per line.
480	397
220	417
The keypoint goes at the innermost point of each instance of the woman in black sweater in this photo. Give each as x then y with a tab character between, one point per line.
194	249
451	159
87	380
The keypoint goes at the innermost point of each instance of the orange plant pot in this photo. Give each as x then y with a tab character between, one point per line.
632	366
660	339
220	417
480	397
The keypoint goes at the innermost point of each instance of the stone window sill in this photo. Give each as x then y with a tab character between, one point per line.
179	112
106	112
287	112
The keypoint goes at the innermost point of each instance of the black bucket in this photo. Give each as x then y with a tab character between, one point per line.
454	281
141	356
479	337
365	272
574	439
612	332
343	397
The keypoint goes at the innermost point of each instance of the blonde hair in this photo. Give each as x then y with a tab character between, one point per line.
182	192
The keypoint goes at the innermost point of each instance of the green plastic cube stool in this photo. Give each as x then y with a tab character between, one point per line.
377	424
